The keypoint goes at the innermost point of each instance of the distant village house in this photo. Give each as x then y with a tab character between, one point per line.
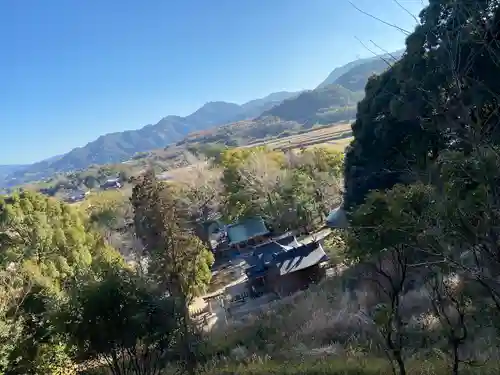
76	196
111	184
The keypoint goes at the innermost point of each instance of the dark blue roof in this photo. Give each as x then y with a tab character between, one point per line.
286	261
300	258
261	252
273	246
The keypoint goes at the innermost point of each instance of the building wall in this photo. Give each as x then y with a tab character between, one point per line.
293	282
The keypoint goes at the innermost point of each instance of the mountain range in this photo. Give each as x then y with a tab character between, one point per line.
6	170
333	100
373	64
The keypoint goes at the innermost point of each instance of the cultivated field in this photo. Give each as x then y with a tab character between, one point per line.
338	135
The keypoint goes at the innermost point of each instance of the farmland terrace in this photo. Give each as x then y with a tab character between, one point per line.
339	135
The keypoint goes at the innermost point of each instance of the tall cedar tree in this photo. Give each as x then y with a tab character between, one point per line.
178	260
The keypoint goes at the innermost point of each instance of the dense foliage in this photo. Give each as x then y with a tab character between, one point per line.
45	247
178	261
68	298
177	258
120	321
421	185
289	190
441	95
423	191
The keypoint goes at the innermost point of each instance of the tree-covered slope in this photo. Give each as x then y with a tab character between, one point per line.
311	106
352	67
327	105
356	78
441	96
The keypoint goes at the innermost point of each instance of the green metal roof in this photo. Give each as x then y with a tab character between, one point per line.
246	230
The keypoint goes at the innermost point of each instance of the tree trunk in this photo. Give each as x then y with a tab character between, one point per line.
400	362
189	357
456	359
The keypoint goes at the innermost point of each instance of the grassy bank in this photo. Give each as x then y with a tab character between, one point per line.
352	366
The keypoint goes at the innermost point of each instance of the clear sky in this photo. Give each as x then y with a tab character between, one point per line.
73	70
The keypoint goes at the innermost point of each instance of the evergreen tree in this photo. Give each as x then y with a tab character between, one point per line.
443	94
178	260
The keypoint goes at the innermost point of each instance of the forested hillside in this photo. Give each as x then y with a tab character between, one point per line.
355	79
334	76
421	182
327	105
414	287
47	250
313	106
69	298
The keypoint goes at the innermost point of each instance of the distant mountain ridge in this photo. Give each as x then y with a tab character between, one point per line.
332	101
120	146
6	170
323	106
377	62
306	106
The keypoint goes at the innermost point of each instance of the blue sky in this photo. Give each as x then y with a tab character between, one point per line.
73	70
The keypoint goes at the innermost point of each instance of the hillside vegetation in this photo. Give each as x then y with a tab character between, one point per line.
68	296
419	289
313	106
324	106
342	70
414	286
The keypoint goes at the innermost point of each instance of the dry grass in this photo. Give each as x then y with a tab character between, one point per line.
321	331
327	326
338	135
341	366
318	318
